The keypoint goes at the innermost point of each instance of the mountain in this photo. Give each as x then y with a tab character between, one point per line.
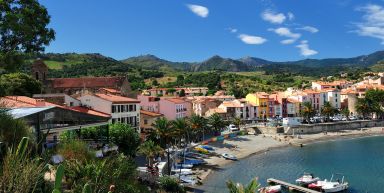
151	62
224	64
256	62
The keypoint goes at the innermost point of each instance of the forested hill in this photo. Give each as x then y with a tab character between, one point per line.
73	64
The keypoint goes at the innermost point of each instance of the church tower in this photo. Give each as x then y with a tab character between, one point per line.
39	70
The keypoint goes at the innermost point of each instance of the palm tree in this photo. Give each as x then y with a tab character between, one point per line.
252	187
364	107
182	128
150	150
198	124
307	111
164	130
237	122
328	110
345	112
216	122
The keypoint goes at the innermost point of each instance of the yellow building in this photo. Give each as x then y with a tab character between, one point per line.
259	99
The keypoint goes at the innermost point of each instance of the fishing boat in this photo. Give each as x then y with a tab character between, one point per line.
307	179
207	147
186	179
271	189
181	165
317	185
182	171
229	156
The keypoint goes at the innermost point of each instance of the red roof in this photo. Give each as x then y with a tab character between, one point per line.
87	82
23	101
89	111
175	100
149	113
116	98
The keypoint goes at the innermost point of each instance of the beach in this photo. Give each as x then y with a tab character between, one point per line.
247	145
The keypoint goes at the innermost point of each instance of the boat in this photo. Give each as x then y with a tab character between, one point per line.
336	186
182	171
307	179
271	189
201	150
181	165
207	147
186	179
317	185
229	156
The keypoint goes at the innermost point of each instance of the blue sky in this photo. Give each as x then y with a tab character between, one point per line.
194	30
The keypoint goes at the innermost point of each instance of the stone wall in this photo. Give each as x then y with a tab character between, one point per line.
338	126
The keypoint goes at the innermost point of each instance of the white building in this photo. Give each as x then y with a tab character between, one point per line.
122	109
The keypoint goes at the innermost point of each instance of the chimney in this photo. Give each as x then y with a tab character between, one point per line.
40	102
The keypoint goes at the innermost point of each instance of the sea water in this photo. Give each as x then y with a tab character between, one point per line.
360	160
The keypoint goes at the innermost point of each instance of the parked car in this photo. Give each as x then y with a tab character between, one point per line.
232	127
352	118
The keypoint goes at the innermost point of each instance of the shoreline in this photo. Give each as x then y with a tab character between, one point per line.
250	145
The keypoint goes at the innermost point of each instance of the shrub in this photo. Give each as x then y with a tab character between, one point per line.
74	149
125	137
170	184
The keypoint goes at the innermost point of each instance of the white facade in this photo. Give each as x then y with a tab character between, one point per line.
128	113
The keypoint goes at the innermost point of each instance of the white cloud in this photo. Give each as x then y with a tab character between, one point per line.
275	18
288	41
309	29
232	30
290	16
305	50
286	32
249	39
199	10
373	22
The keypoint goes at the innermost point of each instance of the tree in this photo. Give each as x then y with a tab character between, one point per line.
237	122
170	184
150	150
125	137
19	84
155	83
216	122
328	110
252	187
164	131
198	124
180	80
182	93
365	107
23	29
307	111
182	128
345	112
12	130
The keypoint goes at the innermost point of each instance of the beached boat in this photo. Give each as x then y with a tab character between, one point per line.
201	150
307	179
271	189
181	165
229	156
189	180
207	147
182	171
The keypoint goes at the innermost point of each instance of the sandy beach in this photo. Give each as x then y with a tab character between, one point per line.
244	146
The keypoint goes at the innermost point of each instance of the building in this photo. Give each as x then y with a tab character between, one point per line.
78	85
239	108
261	100
175	108
147	119
202	105
339	84
189	91
122	109
59	99
46	117
149	103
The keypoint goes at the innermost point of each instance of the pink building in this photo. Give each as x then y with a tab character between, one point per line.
175	108
172	108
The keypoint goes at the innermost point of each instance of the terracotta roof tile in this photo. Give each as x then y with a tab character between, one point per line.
175	100
89	111
87	82
149	113
116	98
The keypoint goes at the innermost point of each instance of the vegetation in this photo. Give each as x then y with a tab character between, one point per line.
74	150
18	84
125	137
328	110
372	104
307	111
12	130
150	150
216	122
170	185
23	29
252	187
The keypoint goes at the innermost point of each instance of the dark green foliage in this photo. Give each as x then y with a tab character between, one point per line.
23	29
12	130
19	84
182	93
170	185
125	137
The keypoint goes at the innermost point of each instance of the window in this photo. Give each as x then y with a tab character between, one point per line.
71	104
145	121
130	108
113	108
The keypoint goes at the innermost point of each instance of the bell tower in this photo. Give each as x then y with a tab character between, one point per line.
39	70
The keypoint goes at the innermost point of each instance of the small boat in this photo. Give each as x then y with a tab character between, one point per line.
181	165
207	147
271	189
201	150
229	156
182	171
317	185
336	186
307	179
186	179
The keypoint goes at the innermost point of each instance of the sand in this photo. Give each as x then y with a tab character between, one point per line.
244	146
